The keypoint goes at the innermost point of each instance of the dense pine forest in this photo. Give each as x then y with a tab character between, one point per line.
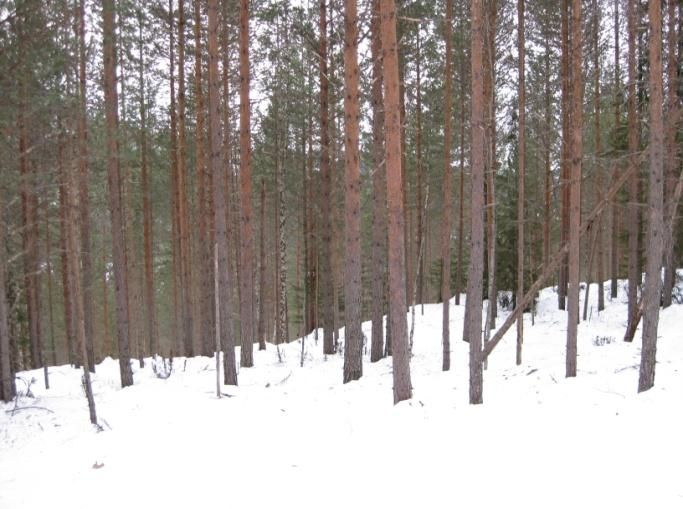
187	177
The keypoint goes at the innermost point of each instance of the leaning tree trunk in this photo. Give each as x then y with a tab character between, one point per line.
353	337
114	181
397	273
655	229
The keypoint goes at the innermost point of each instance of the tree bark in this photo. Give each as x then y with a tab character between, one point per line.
114	181
29	206
203	275
598	167
220	213
566	148
175	255
419	170
575	189
49	270
397	287
447	193
633	213
379	189
72	246
548	175
84	199
7	387
491	160
246	251
353	336
326	244
472	326
520	178
614	256
461	191
655	230
148	234
66	278
671	155
262	271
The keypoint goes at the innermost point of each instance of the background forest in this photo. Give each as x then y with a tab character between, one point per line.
182	177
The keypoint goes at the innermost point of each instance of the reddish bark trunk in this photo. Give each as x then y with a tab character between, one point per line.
396	218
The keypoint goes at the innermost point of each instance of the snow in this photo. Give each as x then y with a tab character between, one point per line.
297	436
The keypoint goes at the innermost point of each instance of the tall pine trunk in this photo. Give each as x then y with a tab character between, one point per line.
672	160
353	338
185	275
326	226
655	205
520	178
472	325
419	170
379	189
84	199
575	188
223	322
203	274
175	255
565	149
75	267
148	234
262	271
461	191
29	206
614	206
599	248
396	217
246	251
114	182
633	191
7	387
447	193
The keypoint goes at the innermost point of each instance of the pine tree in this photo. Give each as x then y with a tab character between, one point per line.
353	338
655	205
397	286
115	201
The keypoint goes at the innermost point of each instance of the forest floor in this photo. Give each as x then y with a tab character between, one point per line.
292	436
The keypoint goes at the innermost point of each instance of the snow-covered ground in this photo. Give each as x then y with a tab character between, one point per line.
297	437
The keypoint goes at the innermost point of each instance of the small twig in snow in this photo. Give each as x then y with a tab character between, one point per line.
17	408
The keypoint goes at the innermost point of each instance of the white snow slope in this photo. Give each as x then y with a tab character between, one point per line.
298	437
